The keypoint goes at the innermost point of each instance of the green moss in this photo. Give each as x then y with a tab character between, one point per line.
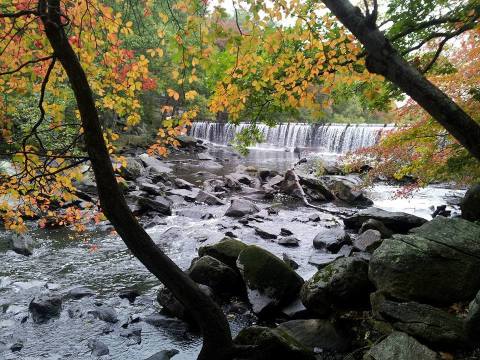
226	251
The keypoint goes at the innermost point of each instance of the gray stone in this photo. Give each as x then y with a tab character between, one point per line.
321	260
241	207
470	204
374	224
270	282
207	198
160	204
22	244
80	292
264	233
331	239
343	284
472	321
105	313
290	262
289	241
317	335
398	222
345	191
205	156
155	164
226	250
199	214
437	264
164	355
368	241
97	347
133	170
150	188
400	346
44	308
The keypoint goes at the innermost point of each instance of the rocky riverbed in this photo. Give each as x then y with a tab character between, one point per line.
69	300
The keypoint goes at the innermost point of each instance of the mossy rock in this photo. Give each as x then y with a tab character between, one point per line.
271	344
270	281
227	251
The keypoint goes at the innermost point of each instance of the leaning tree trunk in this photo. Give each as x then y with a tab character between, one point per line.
383	59
215	328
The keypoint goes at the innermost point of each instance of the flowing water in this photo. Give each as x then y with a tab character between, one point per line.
63	259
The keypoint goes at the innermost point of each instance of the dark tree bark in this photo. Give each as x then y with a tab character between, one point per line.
383	59
215	328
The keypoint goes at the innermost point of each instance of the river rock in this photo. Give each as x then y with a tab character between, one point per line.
105	313
158	166
398	222
470	204
424	322
317	335
437	264
199	214
289	241
164	355
373	224
342	284
44	308
271	344
207	198
472	321
264	233
227	251
290	262
321	260
214	186
97	347
150	188
22	244
315	188
129	294
187	194
368	241
241	207
345	191
187	141
331	239
400	346
160	204
133	169
270	282
221	278
80	292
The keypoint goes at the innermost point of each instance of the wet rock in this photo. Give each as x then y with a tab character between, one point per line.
214	186
158	166
97	347
346	251
271	344
290	262
16	346
160	204
373	224
44	308
264	234
187	141
185	194
345	191
164	355
343	284
274	181
129	294
222	279
441	211
331	239
205	156
105	313
437	264
22	244
368	241
296	310
150	188
241	207
182	184
400	346
80	292
133	170
470	204
134	334
321	260
198	214
472	321
285	232
266	174
207	198
424	322
317	335
232	183
315	189
289	241
226	250
270	282
398	222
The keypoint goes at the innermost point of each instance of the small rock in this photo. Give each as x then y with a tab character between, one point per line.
285	232
376	225
264	234
164	355
105	313
134	334
97	347
80	292
22	244
321	260
17	346
227	251
129	294
45	308
289	241
368	241
207	198
241	207
290	262
400	346
331	239
159	204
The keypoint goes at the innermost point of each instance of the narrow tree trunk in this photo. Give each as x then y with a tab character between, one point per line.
383	59
215	328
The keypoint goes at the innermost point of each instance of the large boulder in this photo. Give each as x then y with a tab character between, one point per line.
241	207
154	164
331	239
159	204
342	284
133	169
400	346
373	224
22	244
437	264
398	222
44	308
270	281
472	321
227	251
345	191
470	204
207	198
428	324
315	189
368	241
271	344
317	335
222	279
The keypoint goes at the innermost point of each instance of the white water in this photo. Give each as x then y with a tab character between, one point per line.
330	138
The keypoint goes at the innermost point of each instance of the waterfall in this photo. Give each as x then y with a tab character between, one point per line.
330	138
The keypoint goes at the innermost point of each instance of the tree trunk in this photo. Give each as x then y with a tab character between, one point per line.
215	328
383	59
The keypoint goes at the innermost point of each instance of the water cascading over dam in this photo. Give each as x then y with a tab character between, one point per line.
331	138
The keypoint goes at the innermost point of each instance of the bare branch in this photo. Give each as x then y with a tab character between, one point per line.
19	14
36	61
